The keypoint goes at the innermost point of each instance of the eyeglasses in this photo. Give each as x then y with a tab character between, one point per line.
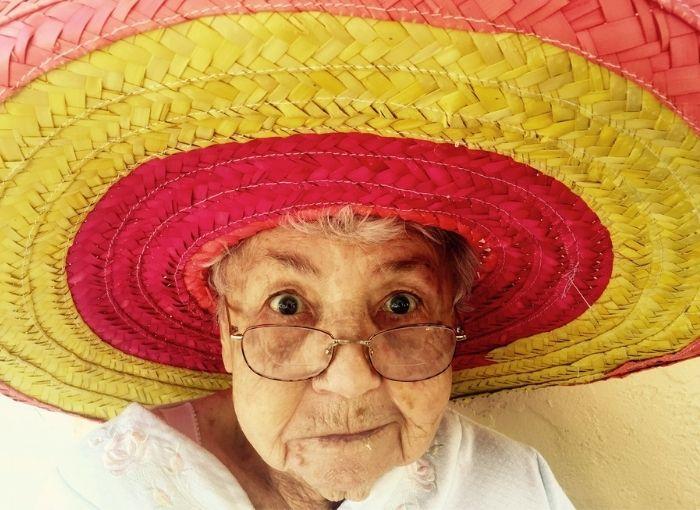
294	353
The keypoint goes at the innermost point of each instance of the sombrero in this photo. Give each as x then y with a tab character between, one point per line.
139	137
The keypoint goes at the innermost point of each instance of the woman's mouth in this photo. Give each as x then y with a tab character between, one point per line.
350	437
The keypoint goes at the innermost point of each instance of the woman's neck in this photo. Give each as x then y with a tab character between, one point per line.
297	495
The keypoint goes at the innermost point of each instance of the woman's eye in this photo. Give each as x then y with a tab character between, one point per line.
286	304
401	304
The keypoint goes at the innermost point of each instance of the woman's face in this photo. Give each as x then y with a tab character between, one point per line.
352	291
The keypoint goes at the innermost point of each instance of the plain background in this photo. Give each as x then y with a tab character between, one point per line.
631	443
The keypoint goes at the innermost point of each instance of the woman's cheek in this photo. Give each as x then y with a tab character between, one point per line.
424	400
263	408
422	404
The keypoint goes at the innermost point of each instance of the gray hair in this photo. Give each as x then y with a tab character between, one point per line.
349	226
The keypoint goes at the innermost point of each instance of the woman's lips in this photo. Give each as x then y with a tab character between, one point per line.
350	437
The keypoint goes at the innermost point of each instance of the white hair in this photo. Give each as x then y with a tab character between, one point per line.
349	226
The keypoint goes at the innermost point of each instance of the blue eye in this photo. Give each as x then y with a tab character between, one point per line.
401	304
286	304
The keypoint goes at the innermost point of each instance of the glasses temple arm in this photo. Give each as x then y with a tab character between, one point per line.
233	336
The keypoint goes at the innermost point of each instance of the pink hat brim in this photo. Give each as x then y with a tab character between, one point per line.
137	268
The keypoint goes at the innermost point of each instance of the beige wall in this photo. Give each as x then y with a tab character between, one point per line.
630	443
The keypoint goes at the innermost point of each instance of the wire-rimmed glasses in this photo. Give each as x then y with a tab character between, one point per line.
294	353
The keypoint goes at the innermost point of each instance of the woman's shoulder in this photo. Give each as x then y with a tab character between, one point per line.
501	469
482	443
181	417
137	460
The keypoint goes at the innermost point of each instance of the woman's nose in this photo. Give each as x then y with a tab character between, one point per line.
350	373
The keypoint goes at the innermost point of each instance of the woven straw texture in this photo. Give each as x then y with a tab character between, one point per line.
156	237
74	131
658	48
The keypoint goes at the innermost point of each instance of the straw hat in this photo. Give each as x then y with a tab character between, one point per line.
559	138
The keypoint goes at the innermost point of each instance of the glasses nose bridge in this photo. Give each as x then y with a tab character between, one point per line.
346	341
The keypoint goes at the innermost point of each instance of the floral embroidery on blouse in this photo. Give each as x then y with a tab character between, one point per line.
423	472
129	450
122	450
161	498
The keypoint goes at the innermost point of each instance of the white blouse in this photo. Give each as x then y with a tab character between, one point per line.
137	461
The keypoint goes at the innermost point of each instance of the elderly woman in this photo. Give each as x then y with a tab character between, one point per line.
338	331
343	332
345	329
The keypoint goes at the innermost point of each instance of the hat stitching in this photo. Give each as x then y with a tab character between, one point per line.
38	219
145	129
98	149
95	385
276	213
690	12
456	77
406	192
533	134
557	142
183	257
264	7
471	171
179	265
28	246
328	181
371	184
577	290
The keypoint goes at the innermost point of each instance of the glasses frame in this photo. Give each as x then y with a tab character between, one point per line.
330	349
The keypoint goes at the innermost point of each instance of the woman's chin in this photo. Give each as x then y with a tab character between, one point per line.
343	469
355	493
342	481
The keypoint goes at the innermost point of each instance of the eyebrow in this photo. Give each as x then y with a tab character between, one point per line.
294	261
406	265
302	264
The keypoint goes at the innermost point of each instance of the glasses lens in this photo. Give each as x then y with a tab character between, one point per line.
288	353
413	353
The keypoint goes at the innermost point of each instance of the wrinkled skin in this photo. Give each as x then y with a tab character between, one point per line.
342	288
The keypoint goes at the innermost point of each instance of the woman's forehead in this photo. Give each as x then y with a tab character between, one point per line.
315	254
